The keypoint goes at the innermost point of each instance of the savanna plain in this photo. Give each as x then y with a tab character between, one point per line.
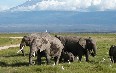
11	62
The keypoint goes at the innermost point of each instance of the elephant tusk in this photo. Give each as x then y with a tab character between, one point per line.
20	49
34	54
53	64
62	68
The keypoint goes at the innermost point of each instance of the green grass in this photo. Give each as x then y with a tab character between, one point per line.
12	34
5	40
9	41
11	62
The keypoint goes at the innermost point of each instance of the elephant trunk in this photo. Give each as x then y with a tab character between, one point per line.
21	48
94	50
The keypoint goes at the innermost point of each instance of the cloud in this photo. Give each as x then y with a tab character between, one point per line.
52	5
107	4
3	7
75	5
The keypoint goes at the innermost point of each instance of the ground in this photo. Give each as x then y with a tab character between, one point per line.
11	62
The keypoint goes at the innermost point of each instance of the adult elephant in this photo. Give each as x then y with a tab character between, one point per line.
112	53
43	43
78	46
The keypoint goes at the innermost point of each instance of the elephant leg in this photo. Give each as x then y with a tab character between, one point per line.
112	59
56	59
39	57
60	60
30	58
48	58
23	52
31	55
80	57
87	56
47	55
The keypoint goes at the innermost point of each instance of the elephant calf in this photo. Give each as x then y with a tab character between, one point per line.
112	53
67	56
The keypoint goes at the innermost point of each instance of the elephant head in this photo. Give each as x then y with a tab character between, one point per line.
91	46
67	56
26	41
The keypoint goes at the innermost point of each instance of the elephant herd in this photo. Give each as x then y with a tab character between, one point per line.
60	48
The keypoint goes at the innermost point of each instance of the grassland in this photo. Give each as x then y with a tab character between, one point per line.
6	40
11	62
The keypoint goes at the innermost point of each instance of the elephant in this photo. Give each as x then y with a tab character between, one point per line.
78	46
112	53
44	45
67	56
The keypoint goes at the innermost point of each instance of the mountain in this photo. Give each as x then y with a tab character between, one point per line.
58	21
25	6
37	5
58	17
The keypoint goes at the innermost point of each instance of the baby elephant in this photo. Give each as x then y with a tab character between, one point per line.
112	53
67	56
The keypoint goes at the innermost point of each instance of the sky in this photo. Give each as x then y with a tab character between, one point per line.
5	4
78	5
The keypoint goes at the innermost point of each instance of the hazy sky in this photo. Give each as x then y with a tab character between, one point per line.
4	4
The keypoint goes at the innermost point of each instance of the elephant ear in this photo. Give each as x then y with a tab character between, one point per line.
61	38
89	40
26	38
45	44
82	42
29	40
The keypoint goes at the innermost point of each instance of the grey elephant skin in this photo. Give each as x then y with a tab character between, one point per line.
78	46
43	44
112	53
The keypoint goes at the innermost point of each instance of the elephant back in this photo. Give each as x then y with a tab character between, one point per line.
72	38
75	40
